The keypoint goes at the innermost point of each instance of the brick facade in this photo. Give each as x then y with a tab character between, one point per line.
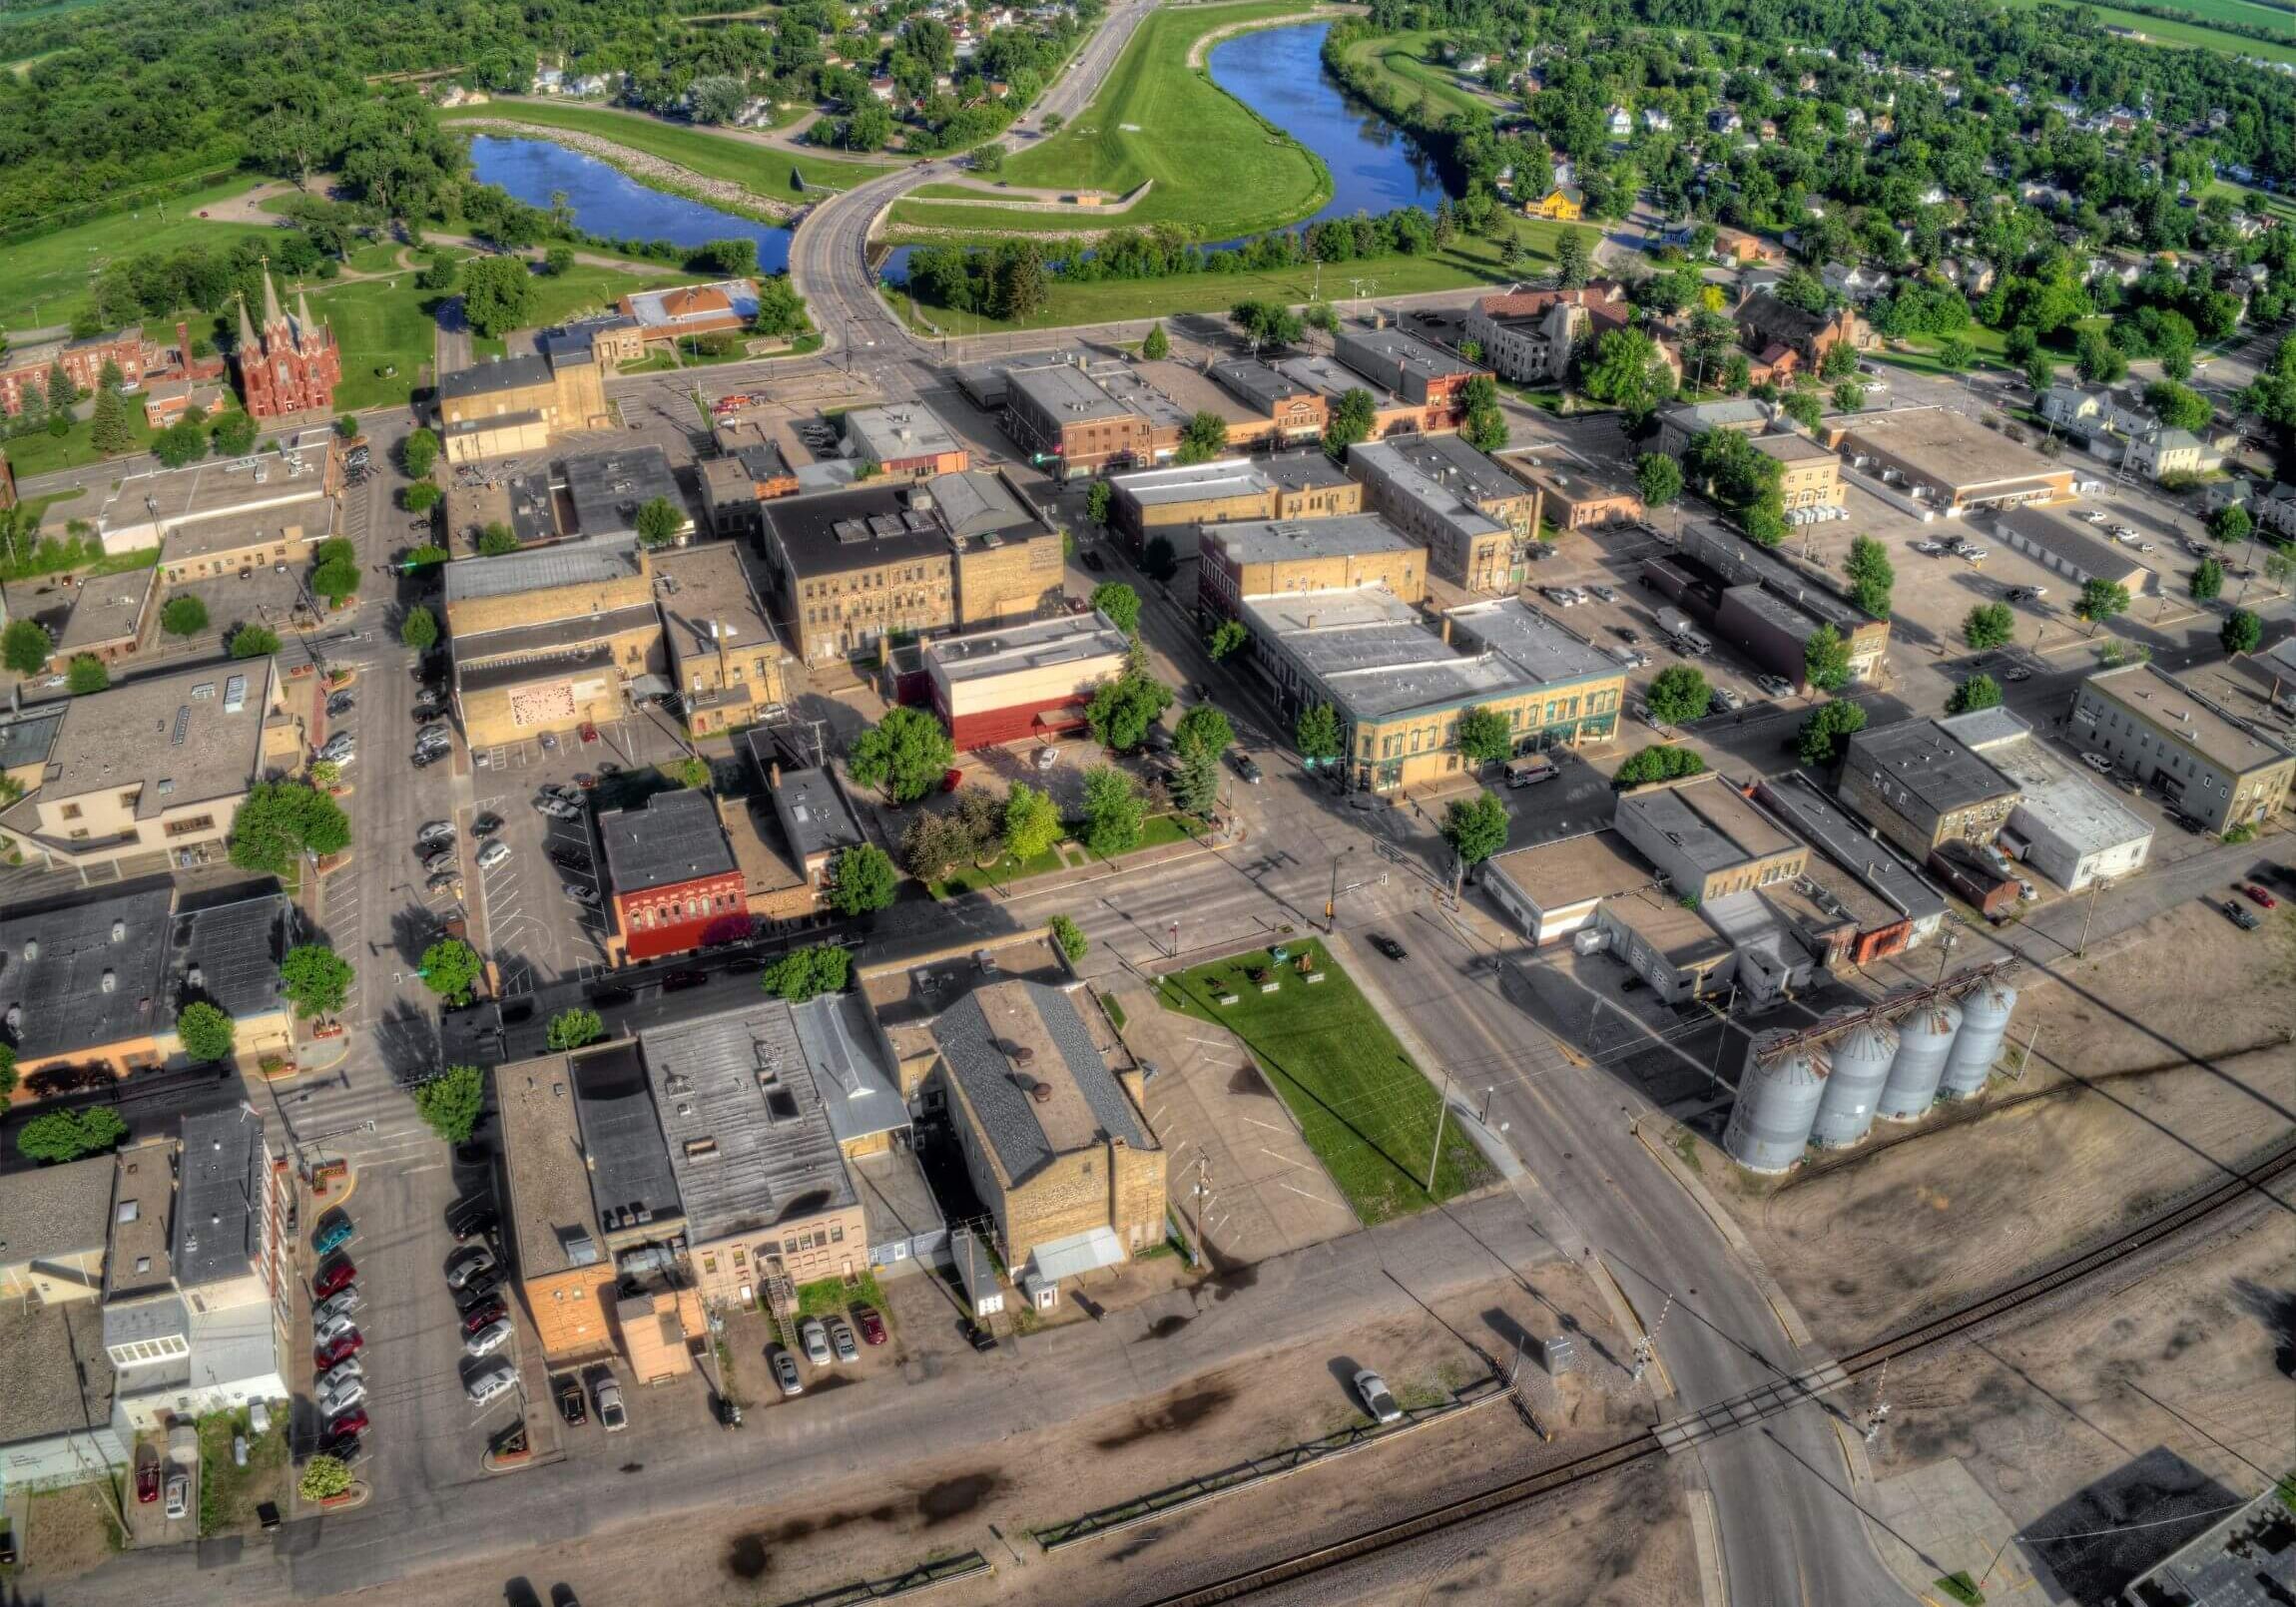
291	367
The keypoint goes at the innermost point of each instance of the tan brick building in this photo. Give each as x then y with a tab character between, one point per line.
552	638
515	406
1264	558
1812	474
1051	1138
728	665
1576	496
1475	519
1923	788
1172	501
564	1273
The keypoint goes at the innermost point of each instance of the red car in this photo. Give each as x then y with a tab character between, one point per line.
2258	896
147	1482
333	1278
870	1325
485	1313
353	1421
341	1349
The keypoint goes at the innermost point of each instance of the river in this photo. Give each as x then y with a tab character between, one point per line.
609	203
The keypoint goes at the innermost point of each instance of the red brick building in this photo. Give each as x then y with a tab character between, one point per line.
83	362
672	877
293	366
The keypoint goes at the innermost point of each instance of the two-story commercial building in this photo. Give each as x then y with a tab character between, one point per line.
1267	556
552	639
2209	763
672	877
2064	822
1172	501
515	406
907	441
1296	412
1411	368
728	665
1028	682
1923	788
736	487
1475	519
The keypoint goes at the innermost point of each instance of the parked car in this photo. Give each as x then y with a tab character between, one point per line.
344	1448
558	808
353	1421
2016	671
1386	945
1726	700
178	1495
444	881
1094	562
330	1329
1604	591
611	1415
679	981
870	1323
338	746
2027	594
497	1378
1930	549
147	1482
841	1340
2242	916
2098	763
567	858
335	1306
425	757
471	1218
340	1349
1378	1400
493	854
2258	896
564	791
1248	769
489	1311
2191	823
475	1293
786	1372
486	825
1627	634
488	1339
581	892
343	1372
976	1336
341	704
815	1339
434	834
334	1230
333	1277
573	1406
440	862
468	1263
333	1400
1774	686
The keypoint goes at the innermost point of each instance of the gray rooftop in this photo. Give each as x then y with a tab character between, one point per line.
1845	841
105	609
2248	1561
219	1190
1926	761
1034	644
630	1170
976	503
175	739
742	1122
237	949
888	435
57	1379
2151	691
706	589
608	488
571	563
1547	654
1329	377
53	1211
1372	653
1257	383
28	738
549	637
1708	822
1385	353
504	373
1063	391
1447	461
974	1035
813	813
1228	477
82	975
1275	541
1785	616
1740	563
2066	799
2070	543
855	527
668	839
859	1092
1698	417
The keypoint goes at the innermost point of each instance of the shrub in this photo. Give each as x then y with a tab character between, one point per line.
571	1029
66	1135
205	1032
805	973
325	1478
1070	937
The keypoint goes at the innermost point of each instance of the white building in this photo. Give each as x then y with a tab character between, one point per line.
2065	824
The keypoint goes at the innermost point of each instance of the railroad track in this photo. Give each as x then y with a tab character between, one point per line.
1610	1458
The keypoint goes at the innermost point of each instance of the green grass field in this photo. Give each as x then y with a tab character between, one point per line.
2196	35
1368	1111
1216	167
1403	60
760	168
44	281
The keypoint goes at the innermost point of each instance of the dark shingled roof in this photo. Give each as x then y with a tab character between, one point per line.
668	839
510	373
218	1217
629	1163
976	1057
236	948
53	1211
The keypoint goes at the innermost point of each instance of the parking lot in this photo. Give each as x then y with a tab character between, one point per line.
538	932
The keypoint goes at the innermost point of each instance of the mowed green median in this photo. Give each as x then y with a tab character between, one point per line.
1368	1111
1217	168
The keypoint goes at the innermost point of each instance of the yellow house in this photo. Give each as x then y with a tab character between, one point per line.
1564	204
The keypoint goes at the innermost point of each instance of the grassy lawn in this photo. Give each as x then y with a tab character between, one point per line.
1404	61
833	1296
47	278
378	327
2196	35
763	171
41	452
1216	167
1368	1111
228	1494
1157	832
1463	262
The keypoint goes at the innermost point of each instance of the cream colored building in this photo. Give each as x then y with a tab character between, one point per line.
1273	557
515	406
728	664
1811	475
551	639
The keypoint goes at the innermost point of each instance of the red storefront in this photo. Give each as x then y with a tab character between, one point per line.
1022	682
672	877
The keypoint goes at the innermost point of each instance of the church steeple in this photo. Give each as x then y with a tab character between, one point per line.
272	316
304	328
249	351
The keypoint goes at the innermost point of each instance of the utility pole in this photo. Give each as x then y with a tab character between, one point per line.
1441	1111
2095	888
1332	900
1196	1251
2033	1038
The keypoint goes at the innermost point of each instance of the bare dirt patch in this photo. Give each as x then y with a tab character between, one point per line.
66	1533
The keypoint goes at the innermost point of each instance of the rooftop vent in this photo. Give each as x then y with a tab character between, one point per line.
119	932
31	949
111	982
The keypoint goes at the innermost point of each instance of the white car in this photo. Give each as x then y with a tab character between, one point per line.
178	1495
1378	1399
497	1378
2097	516
335	1306
325	1330
490	1338
817	1341
348	1371
1972	555
335	1400
493	854
2098	763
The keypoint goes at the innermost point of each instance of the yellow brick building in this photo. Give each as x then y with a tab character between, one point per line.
1273	557
553	638
728	666
515	406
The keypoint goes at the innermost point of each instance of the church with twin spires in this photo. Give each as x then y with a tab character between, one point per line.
294	366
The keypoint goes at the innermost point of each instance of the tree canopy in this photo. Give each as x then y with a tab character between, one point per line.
282	821
864	880
316	979
809	972
1476	827
907	753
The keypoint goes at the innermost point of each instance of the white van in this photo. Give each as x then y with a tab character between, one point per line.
1530	770
1694	644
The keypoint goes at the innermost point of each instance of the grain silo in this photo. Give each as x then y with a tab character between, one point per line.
1861	1065
1986	1011
1924	1039
1778	1094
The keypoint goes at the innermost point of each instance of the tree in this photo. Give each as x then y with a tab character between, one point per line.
1628	374
86	674
420	498
1227	637
1804	408
557	259
1977	692
2097	361
1156	345
1194	784
1569	260
254	642
1849	395
1678	693
906	752
450	969
691	772
205	1031
183	615
2100	601
1317	733
1486	429
1097	497
2208	581
7	1071
1484	736
1157	560
1031	822
2242	631
1070	937
2179	406
1267	323
809	972
316	979
934	844
1658	477
1475	828
68	1135
1872	576
1826	660
282	820
1120	603
1826	733
419	630
325	1478
866	879
1988	625
418	453
2040	372
1122	710
1957	353
336	576
25	646
234	435
498	293
1203	438
110	432
451	1102
574	1029
659	522
1113	812
1352	419
1661	762
2231	523
1839	362
497	540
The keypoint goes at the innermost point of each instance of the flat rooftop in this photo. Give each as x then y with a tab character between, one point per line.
741	1121
1943	447
1571	870
552	1215
213	487
1740	562
1548	653
1845	841
188	738
2072	802
889	434
1228	477
1714	826
57	1381
1379	353
855	527
237	949
1929	763
85	974
1194	392
549	637
631	1182
1698	417
140	1260
1036	645
219	1190
1258	385
2172	705
1063	391
1447	463
105	609
1683	935
571	563
2248	1561
307	518
813	813
1327	376
1791	448
1276	541
2072	542
1573	480
486	378
608	488
1373	654
706	599
672	837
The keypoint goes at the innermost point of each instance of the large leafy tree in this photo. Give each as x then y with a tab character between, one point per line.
866	879
1658	477
1977	692
1032	822
183	615
66	1135
1826	658
497	294
255	642
1827	730
1628	374
1475	828
1988	625
2241	633
1872	576
1120	603
1679	692
282	820
2100	601
1352	418
1227	637
659	521
907	753
1113	812
1317	733
419	630
805	973
86	674
1203	438
205	1032
933	844
573	1028
25	646
451	1102
1122	710
316	979
450	968
1661	762
1484	736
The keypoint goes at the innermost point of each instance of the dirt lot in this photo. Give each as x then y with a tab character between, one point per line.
2163	1397
65	1532
2167	1093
